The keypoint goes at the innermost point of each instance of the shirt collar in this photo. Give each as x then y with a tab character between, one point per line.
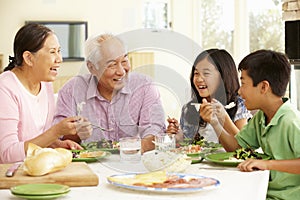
280	112
92	90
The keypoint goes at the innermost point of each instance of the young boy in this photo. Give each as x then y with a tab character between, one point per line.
275	127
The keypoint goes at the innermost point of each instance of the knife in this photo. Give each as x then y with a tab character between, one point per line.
12	169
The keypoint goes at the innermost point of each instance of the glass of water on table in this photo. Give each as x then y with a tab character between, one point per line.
130	149
165	142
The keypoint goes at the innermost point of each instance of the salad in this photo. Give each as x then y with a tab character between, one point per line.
102	144
245	153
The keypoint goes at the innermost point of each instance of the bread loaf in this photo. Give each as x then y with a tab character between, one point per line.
40	161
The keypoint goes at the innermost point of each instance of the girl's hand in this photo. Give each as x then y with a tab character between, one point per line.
173	126
206	111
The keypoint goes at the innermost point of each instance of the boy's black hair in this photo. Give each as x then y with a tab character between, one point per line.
270	66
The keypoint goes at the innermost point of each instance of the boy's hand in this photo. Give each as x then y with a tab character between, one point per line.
250	165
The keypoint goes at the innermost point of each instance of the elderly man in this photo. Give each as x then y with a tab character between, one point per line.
118	103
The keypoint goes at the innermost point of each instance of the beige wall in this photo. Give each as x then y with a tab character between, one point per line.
102	16
115	16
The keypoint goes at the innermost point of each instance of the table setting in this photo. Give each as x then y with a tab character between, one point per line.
163	173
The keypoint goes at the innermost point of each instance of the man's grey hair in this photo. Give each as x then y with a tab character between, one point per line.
93	47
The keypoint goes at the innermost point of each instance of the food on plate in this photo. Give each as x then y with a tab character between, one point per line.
244	154
40	161
147	178
191	149
88	154
167	161
161	179
201	141
102	144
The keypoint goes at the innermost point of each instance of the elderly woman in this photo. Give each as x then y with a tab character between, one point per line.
27	100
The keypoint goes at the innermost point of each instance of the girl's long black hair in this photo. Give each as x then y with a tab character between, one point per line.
228	89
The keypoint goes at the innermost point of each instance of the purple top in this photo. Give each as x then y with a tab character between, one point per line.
136	109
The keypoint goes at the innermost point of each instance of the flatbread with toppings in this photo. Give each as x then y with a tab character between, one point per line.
161	179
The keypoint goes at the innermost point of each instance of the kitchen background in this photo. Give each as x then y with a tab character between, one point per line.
239	26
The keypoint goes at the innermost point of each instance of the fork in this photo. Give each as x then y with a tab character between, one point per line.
101	128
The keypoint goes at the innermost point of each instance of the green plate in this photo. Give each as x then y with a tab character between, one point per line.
222	158
42	197
111	150
196	160
89	160
39	189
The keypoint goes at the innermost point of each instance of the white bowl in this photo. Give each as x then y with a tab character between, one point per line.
166	161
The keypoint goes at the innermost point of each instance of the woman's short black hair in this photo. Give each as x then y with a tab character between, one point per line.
31	37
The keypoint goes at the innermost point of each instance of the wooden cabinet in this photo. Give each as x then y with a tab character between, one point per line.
142	62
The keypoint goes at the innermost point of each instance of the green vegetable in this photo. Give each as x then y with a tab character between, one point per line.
245	153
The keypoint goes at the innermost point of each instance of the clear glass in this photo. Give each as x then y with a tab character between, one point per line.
130	149
165	142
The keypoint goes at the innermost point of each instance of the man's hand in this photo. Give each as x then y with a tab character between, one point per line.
84	128
147	143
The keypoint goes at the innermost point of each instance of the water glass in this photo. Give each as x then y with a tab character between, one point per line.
130	149
165	142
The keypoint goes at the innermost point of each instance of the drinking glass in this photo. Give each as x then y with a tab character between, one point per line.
165	142
130	149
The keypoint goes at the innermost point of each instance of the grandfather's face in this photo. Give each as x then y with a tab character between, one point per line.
113	67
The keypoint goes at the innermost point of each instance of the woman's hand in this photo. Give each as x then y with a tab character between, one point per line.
72	126
173	126
67	144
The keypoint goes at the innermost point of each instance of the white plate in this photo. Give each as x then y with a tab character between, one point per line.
165	190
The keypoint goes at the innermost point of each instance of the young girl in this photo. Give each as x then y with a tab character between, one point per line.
213	76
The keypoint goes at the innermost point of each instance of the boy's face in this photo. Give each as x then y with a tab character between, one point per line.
248	92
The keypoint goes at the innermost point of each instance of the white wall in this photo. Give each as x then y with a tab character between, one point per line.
102	16
114	16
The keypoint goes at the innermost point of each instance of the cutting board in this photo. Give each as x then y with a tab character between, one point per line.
75	174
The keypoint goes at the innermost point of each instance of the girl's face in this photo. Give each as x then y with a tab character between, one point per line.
206	79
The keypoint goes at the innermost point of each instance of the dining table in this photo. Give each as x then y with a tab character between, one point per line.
234	184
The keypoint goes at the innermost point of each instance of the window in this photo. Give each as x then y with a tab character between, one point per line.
156	14
217	24
266	26
241	27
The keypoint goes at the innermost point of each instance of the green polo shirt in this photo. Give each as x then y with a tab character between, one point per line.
280	139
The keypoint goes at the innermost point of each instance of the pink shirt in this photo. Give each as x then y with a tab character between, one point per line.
23	116
135	110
